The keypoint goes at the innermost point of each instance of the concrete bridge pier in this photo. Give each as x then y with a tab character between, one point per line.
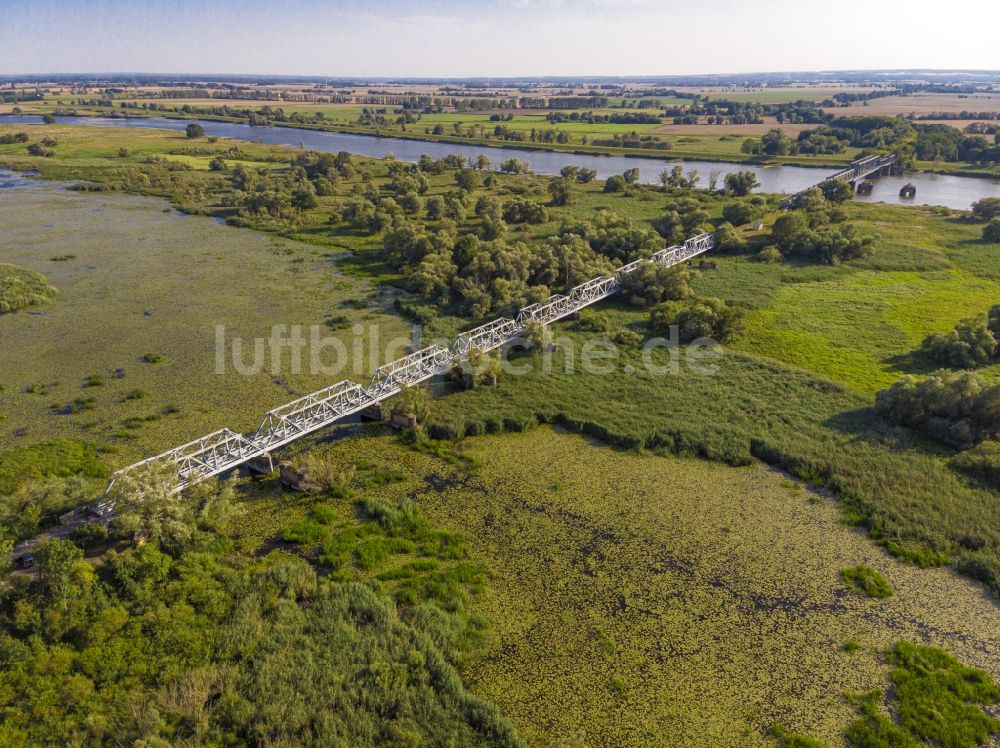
261	465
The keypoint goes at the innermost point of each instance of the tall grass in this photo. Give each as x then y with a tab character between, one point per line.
890	480
20	288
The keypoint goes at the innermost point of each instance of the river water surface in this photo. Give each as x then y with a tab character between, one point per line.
932	189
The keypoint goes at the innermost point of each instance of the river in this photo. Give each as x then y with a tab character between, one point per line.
932	189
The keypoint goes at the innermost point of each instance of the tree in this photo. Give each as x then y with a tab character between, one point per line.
561	190
148	506
836	190
217	164
48	119
729	240
414	400
482	162
584	175
991	231
697	318
631	176
986	209
467	179
537	335
615	184
774	143
655	283
304	197
62	572
515	166
741	183
194	130
740	213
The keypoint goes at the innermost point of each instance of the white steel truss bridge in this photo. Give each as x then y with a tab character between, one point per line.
224	450
855	171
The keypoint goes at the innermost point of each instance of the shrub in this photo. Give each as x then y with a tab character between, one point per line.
986	209
991	231
89	535
194	130
740	213
768	255
956	407
864	579
655	283
728	239
521	210
697	318
154	358
615	184
970	344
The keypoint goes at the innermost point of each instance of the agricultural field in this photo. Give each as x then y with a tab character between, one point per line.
775	94
630	599
919	104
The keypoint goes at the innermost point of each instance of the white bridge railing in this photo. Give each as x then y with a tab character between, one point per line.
224	450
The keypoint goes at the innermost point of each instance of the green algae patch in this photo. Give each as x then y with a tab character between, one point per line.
643	600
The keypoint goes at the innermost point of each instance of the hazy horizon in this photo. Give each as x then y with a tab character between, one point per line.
509	38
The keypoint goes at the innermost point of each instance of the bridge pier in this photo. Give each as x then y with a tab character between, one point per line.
261	465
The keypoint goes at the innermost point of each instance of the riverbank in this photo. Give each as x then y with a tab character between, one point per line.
707	147
945	190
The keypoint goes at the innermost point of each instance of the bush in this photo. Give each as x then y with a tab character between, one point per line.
864	579
740	213
89	535
655	283
970	344
521	211
991	231
194	130
728	240
615	184
986	209
38	149
768	255
958	408
697	318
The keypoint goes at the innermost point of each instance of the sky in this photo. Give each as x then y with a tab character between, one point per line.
447	38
